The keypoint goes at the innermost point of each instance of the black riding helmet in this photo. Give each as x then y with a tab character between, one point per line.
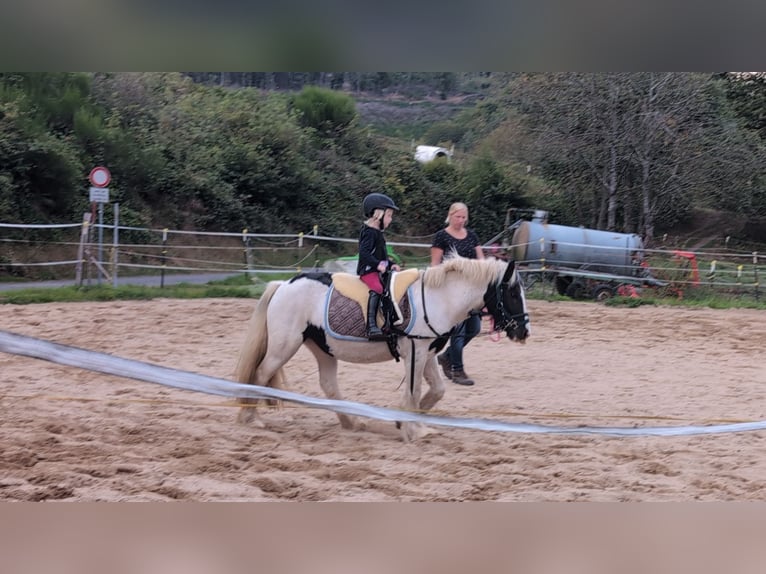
377	201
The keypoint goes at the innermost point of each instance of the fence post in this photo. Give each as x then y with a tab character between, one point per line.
100	239
300	251
115	243
739	276
164	257
542	267
248	253
755	273
316	246
81	249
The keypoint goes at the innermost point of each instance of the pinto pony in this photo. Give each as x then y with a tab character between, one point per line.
294	313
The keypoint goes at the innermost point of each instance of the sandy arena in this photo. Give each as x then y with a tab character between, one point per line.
74	435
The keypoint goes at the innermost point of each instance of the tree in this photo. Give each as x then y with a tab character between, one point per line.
326	111
39	165
747	94
489	191
630	150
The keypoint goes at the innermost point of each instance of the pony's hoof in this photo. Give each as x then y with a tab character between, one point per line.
347	422
425	431
250	417
412	431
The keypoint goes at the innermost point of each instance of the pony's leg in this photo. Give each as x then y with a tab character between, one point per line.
328	380
435	385
412	390
269	374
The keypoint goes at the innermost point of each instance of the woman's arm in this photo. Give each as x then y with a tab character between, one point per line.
437	254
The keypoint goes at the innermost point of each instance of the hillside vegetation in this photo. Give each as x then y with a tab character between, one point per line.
276	152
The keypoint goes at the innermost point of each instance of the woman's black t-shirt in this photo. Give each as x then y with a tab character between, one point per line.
465	247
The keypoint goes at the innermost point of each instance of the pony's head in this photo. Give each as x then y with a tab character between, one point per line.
506	303
504	294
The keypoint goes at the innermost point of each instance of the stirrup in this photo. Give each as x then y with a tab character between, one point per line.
376	335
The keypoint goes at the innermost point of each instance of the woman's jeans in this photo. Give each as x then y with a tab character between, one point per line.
463	334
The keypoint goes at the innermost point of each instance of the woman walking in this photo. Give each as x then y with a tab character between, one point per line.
458	238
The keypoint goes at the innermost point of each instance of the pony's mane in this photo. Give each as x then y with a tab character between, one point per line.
481	271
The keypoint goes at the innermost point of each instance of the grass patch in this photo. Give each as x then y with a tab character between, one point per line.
630	302
710	300
244	286
128	292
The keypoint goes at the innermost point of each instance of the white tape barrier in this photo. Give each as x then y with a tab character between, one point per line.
104	363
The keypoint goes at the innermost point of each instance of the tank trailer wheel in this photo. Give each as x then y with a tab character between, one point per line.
602	292
562	284
576	290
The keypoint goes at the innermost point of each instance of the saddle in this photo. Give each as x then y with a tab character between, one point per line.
346	307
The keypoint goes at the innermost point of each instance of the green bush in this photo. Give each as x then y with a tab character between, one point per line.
326	111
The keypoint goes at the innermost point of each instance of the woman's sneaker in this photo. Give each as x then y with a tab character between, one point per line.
460	378
445	365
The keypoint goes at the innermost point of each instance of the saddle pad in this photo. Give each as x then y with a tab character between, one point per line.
345	318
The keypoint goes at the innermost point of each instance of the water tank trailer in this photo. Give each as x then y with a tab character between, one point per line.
585	261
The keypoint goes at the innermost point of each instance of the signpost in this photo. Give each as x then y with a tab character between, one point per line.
99	194
100	176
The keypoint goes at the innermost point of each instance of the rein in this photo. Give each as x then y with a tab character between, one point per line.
425	312
502	320
398	332
420	337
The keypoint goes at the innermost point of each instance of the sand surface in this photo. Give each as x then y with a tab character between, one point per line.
75	435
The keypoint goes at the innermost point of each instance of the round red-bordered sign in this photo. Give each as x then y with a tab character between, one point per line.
100	176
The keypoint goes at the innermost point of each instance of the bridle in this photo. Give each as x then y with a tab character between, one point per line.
494	299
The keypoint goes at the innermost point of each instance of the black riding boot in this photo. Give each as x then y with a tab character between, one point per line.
373	331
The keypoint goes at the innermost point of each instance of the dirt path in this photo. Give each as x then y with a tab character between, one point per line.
75	435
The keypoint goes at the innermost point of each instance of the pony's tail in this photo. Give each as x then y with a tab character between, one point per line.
255	346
